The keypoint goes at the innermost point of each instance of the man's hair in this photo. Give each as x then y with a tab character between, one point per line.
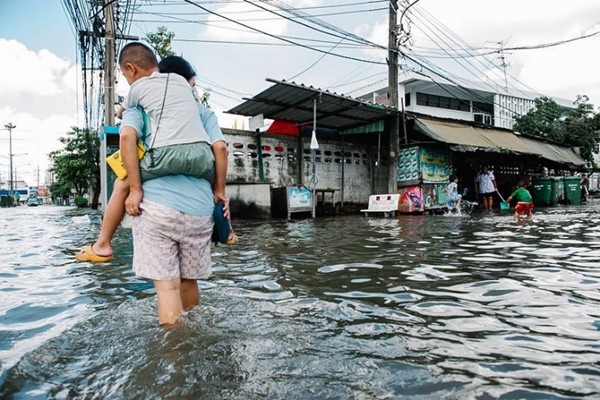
521	184
452	177
139	54
177	65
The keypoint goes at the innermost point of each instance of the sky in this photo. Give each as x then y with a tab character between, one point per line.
41	80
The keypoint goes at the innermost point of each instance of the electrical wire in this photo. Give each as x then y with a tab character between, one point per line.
279	37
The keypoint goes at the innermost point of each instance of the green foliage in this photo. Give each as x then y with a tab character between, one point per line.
576	127
81	202
161	41
543	120
204	99
7	201
76	166
582	127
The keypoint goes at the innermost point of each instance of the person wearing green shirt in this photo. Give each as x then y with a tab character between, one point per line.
524	201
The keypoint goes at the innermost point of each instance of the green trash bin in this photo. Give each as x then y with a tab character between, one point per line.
572	190
557	191
541	191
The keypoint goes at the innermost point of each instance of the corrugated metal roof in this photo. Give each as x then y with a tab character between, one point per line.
293	102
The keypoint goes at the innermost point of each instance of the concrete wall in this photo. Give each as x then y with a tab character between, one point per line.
281	155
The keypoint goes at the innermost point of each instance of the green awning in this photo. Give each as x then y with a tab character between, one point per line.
373	127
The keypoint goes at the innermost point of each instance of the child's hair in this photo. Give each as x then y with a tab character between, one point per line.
521	184
452	178
177	65
138	54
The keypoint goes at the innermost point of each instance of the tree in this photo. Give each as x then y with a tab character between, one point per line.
542	121
76	166
161	41
582	127
575	127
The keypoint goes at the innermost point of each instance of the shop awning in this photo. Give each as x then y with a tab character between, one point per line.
462	137
553	152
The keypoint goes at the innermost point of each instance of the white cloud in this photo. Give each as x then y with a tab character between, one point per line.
32	140
249	15
562	71
25	71
254	16
39	96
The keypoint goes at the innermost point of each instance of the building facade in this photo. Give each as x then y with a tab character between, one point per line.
493	108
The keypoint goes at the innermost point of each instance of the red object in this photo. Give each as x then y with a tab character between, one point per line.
284	127
524	208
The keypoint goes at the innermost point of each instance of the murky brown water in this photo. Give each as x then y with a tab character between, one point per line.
470	307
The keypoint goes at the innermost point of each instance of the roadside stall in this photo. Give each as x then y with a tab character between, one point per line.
422	174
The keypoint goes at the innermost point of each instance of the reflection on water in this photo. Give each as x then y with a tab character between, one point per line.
475	306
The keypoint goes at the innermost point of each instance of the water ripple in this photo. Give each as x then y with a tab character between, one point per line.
347	307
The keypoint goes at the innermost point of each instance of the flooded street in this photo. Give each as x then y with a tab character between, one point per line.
467	307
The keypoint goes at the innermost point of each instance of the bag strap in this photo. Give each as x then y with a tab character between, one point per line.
161	113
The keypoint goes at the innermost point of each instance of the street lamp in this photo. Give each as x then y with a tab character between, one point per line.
10	166
10	127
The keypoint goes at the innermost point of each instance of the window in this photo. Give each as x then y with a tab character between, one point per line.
448	103
407	99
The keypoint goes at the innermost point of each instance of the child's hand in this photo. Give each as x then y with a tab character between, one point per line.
120	112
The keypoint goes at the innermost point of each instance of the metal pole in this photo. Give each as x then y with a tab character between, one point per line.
10	127
314	167
343	172
261	168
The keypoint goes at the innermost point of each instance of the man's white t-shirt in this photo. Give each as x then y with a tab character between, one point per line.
180	123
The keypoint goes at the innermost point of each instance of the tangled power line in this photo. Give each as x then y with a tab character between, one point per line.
319	36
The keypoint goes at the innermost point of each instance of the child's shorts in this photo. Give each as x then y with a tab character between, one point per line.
523	208
168	244
452	200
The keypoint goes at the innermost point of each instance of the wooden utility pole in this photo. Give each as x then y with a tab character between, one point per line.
393	96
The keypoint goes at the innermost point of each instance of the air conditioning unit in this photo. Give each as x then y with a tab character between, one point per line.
482	118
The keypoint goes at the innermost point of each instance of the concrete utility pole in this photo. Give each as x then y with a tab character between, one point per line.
109	64
10	127
393	96
109	92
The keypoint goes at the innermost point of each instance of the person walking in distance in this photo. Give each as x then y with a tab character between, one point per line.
485	182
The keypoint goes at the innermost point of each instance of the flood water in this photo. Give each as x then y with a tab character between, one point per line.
420	307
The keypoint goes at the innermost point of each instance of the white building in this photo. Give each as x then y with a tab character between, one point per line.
497	108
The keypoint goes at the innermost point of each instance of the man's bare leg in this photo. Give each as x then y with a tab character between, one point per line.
190	295
168	294
113	215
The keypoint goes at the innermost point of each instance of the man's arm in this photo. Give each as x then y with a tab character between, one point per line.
219	149
128	148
